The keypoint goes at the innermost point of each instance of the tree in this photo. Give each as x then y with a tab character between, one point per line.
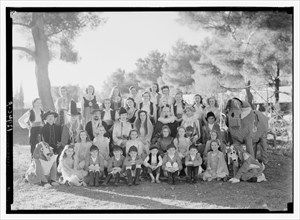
49	32
149	69
178	68
18	99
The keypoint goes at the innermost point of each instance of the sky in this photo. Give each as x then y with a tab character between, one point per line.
118	43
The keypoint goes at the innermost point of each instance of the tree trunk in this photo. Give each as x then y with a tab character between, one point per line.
277	83
42	61
249	94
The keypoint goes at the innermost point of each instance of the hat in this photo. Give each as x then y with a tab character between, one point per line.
73	109
132	148
209	114
117	148
193	146
171	146
95	109
50	112
122	111
153	146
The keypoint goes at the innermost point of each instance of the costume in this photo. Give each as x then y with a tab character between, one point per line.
150	108
153	160
207	129
139	145
52	135
182	146
132	167
170	121
103	145
178	109
43	168
62	107
88	106
121	132
172	165
69	133
162	144
108	116
114	168
95	168
92	126
193	170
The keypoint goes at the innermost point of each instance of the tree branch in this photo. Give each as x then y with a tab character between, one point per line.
24	49
21	24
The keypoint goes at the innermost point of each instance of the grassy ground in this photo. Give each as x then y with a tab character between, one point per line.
273	194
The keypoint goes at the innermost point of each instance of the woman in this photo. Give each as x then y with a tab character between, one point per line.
148	106
88	103
131	110
108	115
62	106
116	99
32	120
199	107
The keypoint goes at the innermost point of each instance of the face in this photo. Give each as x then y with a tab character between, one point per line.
212	102
213	136
130	103
189	113
74	118
165	91
181	132
117	153
171	151
178	97
197	99
50	119
63	92
154	151
165	132
146	97
97	116
193	151
133	154
94	153
143	116
154	88
101	131
37	104
133	135
83	136
166	110
90	90
123	117
107	104
211	119
133	91
69	152
214	146
116	92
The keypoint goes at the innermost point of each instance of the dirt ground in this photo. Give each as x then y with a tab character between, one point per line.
273	194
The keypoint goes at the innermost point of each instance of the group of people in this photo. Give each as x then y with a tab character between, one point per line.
154	135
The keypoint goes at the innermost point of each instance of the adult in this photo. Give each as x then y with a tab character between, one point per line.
212	106
62	106
108	115
88	103
154	94
134	93
72	128
179	106
131	109
199	107
93	125
116	99
32	120
166	99
148	106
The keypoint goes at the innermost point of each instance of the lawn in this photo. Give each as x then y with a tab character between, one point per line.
273	194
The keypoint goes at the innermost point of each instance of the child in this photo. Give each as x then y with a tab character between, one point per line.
81	149
70	175
216	165
214	136
193	163
171	164
164	140
212	106
211	125
134	141
132	165
190	119
114	166
102	143
153	163
251	170
95	166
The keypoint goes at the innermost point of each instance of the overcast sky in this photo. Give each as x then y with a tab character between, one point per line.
125	37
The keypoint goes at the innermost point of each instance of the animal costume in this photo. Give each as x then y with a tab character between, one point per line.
247	126
132	167
43	168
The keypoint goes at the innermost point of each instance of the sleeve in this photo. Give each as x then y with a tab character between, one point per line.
206	148
58	104
198	160
179	163
65	136
160	161
109	165
23	120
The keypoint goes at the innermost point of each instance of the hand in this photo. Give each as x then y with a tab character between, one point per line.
234	180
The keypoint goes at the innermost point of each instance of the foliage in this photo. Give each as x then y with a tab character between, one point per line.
18	99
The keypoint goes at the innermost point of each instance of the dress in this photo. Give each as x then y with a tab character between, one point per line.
62	108
66	167
81	151
216	166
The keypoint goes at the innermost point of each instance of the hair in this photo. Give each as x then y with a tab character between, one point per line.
146	92
201	99
129	98
112	92
132	130
215	141
107	99
86	90
165	87
94	148
131	87
34	101
138	122
63	87
78	139
216	102
157	87
78	126
177	135
165	127
63	153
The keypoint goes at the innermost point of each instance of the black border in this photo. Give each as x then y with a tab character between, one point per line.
9	107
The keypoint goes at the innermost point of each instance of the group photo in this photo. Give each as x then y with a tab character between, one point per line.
152	110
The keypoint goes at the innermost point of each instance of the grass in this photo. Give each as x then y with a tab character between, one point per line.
273	194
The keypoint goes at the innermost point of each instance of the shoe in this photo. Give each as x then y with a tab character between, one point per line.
252	180
137	176
261	178
189	179
157	181
129	177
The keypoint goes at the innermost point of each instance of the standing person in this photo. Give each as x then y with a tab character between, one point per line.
93	125
132	164
32	120
134	93
199	107
153	163
166	96
88	103
72	128
121	130
81	149
155	97
116	99
51	132
108	115
216	165
212	106
131	109
193	163
145	128
148	106
179	107
62	106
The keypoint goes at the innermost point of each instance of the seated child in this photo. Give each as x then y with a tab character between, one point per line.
153	163
251	170
214	136
216	165
193	163
95	166
132	164
114	166
135	141
171	164
70	175
164	140
102	143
